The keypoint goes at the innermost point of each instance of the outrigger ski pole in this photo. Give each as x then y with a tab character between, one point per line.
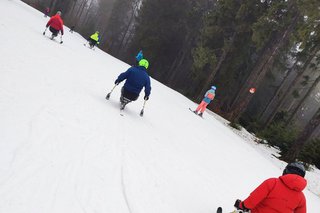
142	111
44	32
108	95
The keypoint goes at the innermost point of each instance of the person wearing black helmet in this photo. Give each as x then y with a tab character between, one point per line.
283	194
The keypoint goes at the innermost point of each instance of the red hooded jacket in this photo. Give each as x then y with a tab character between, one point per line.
56	22
278	195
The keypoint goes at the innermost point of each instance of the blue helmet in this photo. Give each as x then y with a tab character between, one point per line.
214	87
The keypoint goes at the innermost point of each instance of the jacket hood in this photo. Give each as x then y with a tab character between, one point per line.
294	182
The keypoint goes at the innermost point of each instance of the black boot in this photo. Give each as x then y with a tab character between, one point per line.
200	114
122	106
122	103
53	36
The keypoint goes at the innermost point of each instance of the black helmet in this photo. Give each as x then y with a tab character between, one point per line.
295	168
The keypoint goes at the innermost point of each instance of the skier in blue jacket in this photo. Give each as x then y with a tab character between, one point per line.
136	78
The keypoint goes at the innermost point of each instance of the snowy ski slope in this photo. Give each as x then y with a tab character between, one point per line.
65	149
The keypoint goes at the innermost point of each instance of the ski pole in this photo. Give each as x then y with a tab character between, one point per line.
142	111
44	32
108	95
61	39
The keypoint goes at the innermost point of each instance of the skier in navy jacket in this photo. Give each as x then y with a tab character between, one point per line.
136	78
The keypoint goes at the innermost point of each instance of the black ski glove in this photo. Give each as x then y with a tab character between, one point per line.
146	97
117	82
240	205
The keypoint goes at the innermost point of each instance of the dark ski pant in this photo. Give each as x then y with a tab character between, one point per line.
92	42
127	96
72	29
54	31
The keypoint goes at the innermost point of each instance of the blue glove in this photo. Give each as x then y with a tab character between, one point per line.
146	97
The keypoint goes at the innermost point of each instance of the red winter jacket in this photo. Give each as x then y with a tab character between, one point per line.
278	195
56	22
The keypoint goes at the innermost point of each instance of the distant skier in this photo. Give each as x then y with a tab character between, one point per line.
136	78
208	97
94	39
72	29
139	56
283	194
56	24
46	12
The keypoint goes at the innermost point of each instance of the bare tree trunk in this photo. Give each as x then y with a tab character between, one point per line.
53	6
74	5
314	85
292	84
134	8
210	78
80	11
278	93
303	138
129	37
87	13
179	59
71	14
258	73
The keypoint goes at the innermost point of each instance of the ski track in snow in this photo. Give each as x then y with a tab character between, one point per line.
123	185
122	147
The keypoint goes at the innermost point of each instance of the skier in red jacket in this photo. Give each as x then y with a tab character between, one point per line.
56	24
278	195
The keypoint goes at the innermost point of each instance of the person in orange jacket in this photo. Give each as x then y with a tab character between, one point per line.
283	194
56	24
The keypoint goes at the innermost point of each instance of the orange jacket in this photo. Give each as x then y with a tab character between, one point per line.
56	23
278	195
